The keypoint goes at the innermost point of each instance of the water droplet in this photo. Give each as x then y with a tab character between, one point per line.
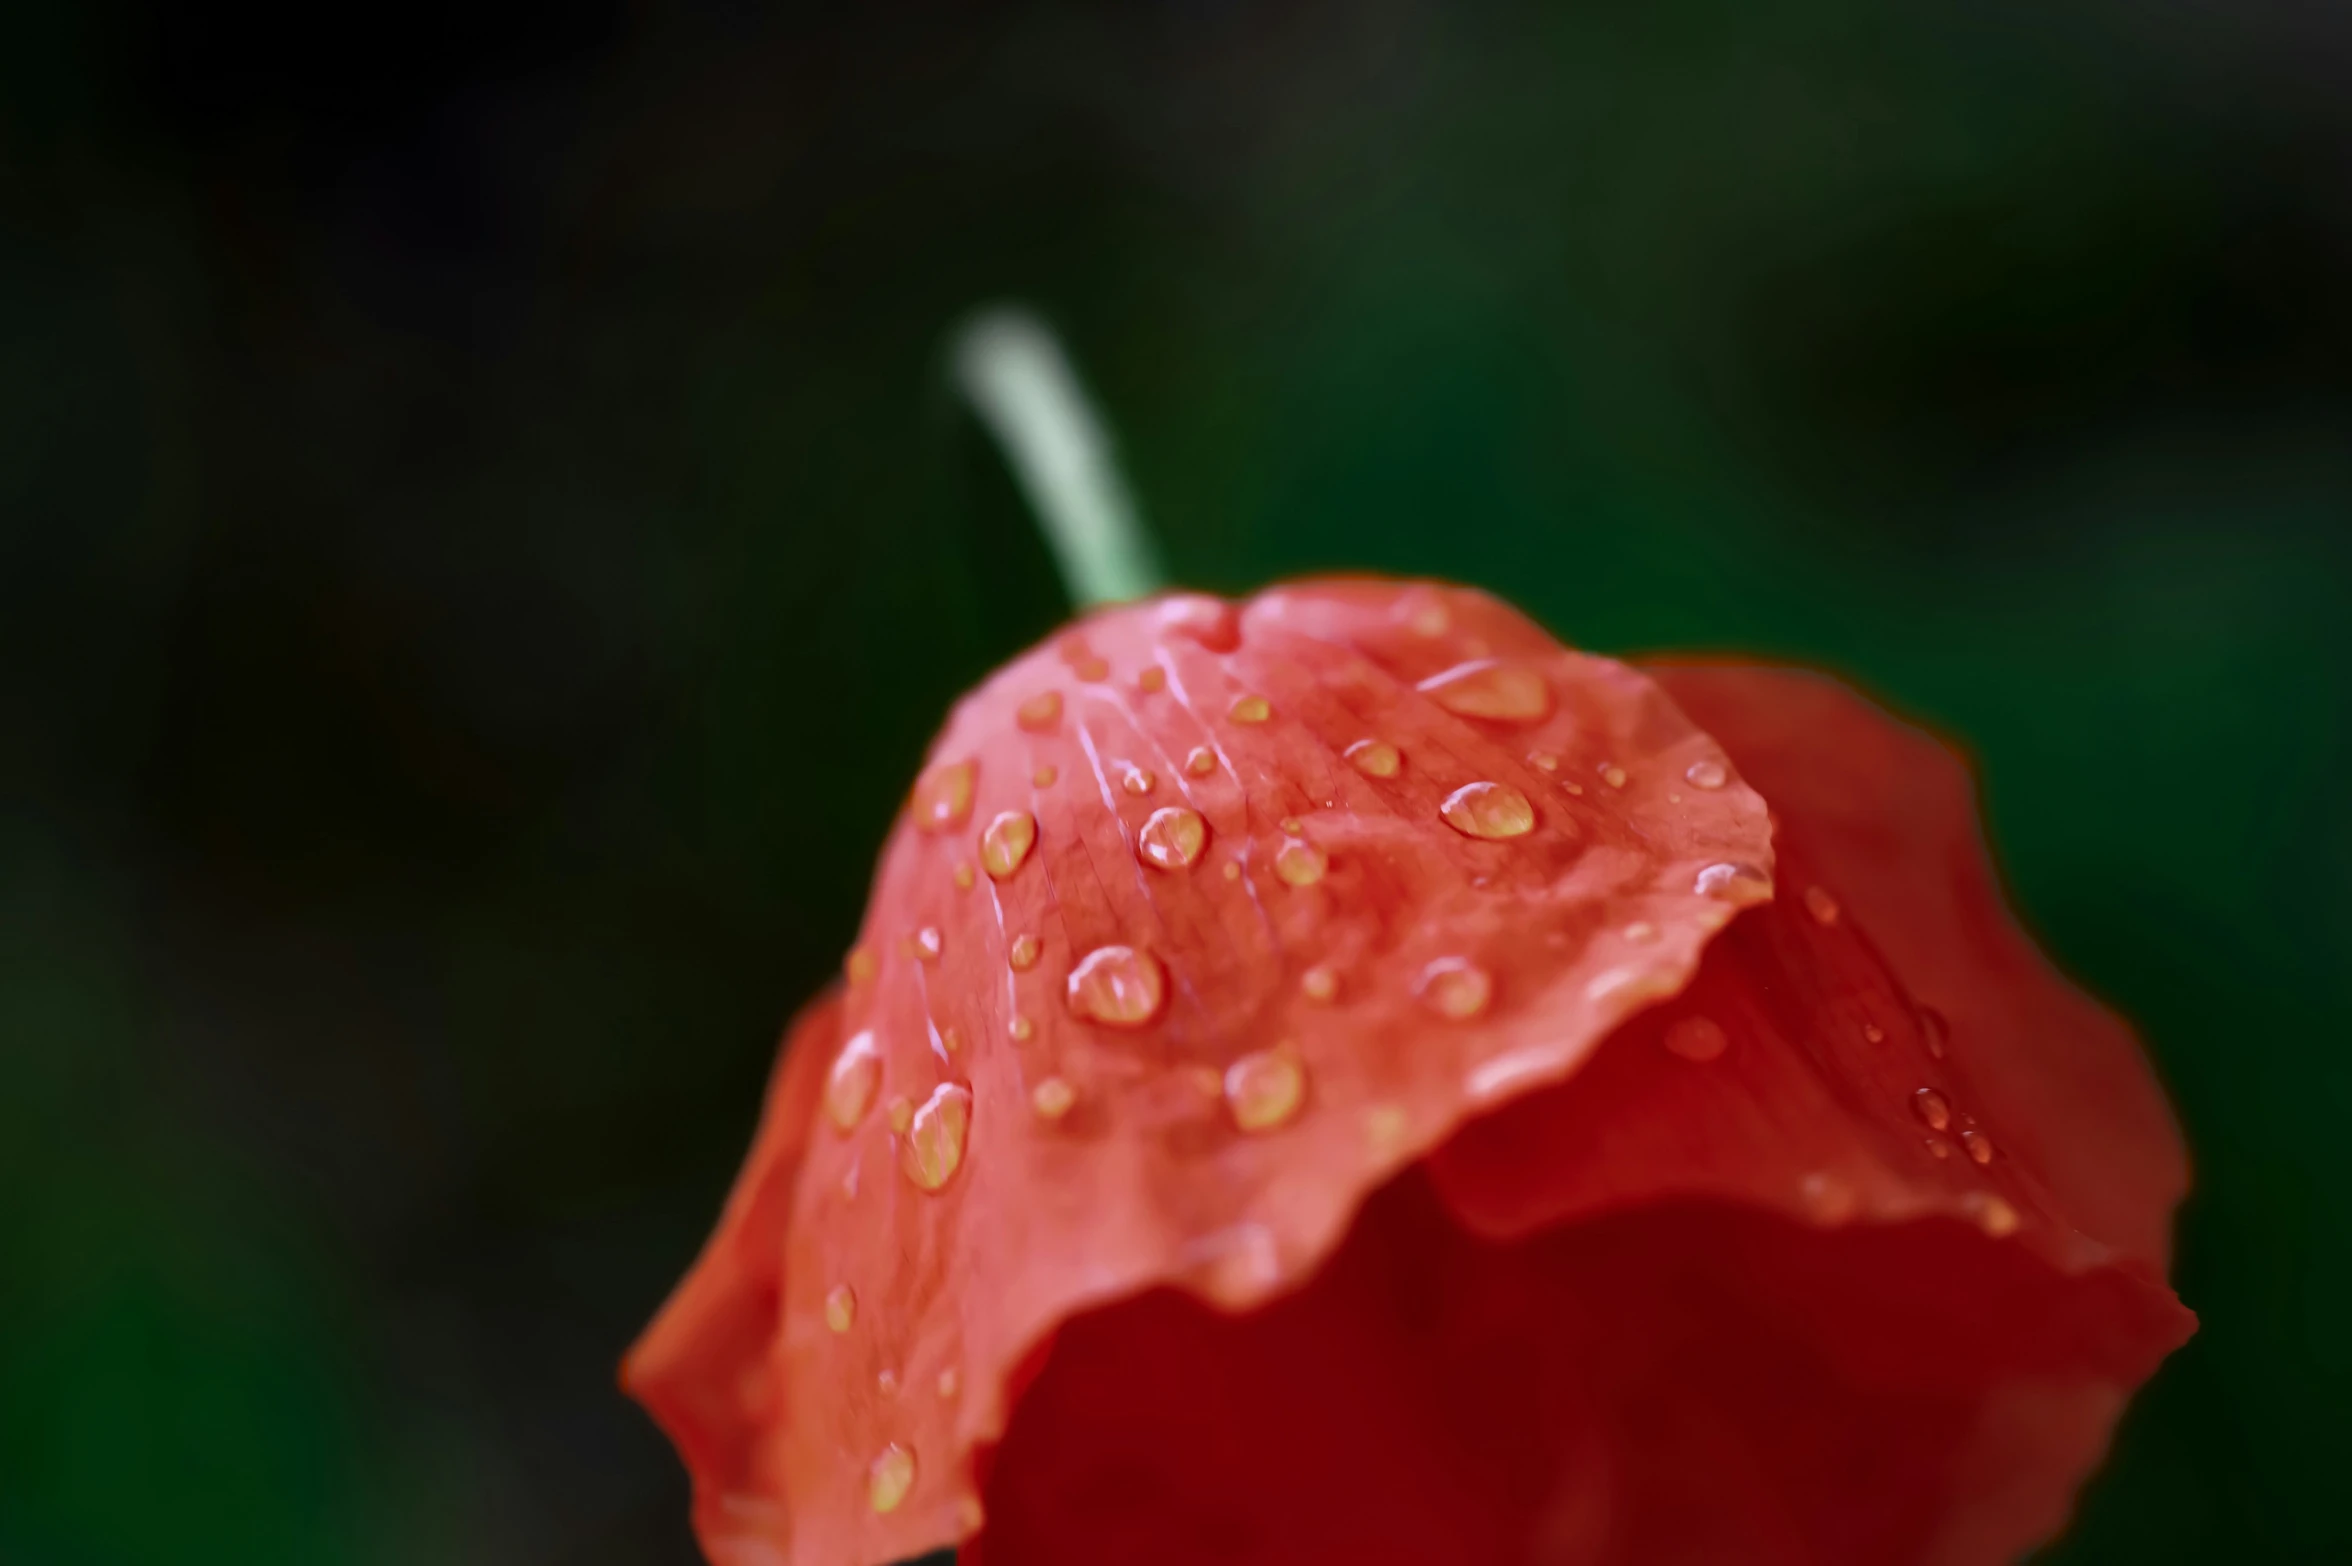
1455	987
1232	871
1137	780
1022	1028
1251	709
1488	810
1118	986
1641	932
1424	613
1384	1129
1052	1098
1299	863
1612	774
1172	838
1572	786
1375	758
1941	1150
1039	712
1698	1039
857	1072
1828	1198
1209	621
969	1515
950	1039
1741	884
860	965
950	1383
1005	846
1821	906
1544	761
1993	1215
934	1145
1319	983
841	1307
1024	953
900	1113
929	943
1044	776
963	876
1935	1031
1979	1146
943	796
1492	688
1673	798
1933	1108
1151	679
1292	825
1265	1089
890	1478
1093	670
1706	774
1874	1033
1201	762
886	1382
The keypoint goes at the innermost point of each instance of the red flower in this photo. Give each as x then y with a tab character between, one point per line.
1303	1093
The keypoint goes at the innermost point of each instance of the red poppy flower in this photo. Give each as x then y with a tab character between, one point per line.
1348	1078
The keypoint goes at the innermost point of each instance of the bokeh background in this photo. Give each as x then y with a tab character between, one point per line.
485	538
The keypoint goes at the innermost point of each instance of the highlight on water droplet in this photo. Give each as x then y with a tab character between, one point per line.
1978	1146
1300	863
1933	1108
889	1478
1137	780
1265	1089
1118	987
840	1307
1698	1039
1821	906
1201	762
943	796
1455	987
1741	884
933	1149
1495	689
1706	774
1024	952
1171	838
1052	1098
1151	679
1040	712
1612	774
1251	709
1375	758
1005	846
929	943
1319	983
860	965
1488	810
1212	622
856	1073
900	1113
1044	776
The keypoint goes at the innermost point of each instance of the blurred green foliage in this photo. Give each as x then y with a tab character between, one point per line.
484	540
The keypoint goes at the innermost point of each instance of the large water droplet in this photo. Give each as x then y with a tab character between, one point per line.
1251	709
1455	987
1137	780
1488	810
1265	1089
1041	711
934	1147
841	1307
857	1072
1300	863
1375	758
943	796
1006	843
1741	884
1933	1108
1118	986
1209	621
889	1478
1201	762
1052	1098
1024	953
1697	1038
1171	838
1822	906
1706	774
1495	689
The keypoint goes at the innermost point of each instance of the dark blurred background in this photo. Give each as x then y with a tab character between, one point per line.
484	540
